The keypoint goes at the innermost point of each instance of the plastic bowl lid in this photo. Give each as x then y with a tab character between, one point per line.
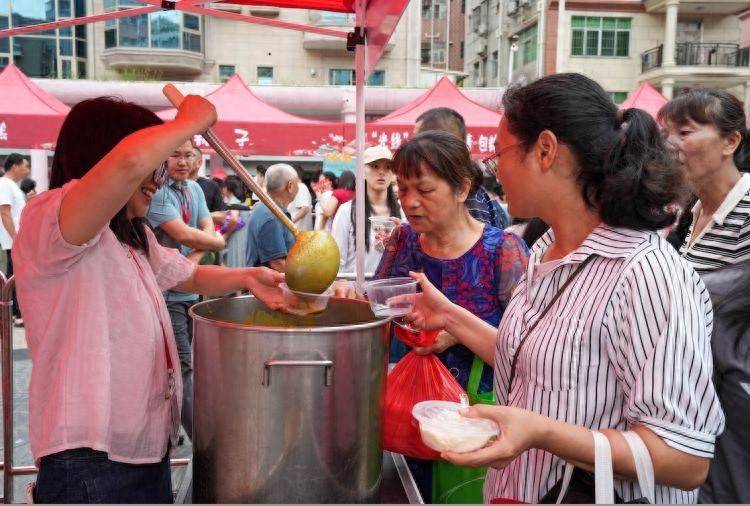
327	293
445	415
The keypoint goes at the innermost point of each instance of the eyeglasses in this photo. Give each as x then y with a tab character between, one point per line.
160	174
490	163
188	157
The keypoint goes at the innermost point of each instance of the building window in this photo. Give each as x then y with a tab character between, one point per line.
225	72
596	36
462	50
265	75
527	44
618	97
377	78
493	68
476	18
158	30
438	52
52	53
346	77
425	58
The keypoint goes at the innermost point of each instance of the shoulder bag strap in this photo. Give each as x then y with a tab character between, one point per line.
541	317
604	485
643	465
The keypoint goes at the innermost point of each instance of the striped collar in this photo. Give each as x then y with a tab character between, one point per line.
604	241
733	198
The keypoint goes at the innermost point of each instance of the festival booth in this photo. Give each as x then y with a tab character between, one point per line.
287	408
398	126
30	119
250	126
645	97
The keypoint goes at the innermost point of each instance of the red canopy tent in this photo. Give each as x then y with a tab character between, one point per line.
645	97
481	122
376	21
248	125
29	116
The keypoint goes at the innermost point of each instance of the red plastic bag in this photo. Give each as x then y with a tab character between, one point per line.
415	379
412	338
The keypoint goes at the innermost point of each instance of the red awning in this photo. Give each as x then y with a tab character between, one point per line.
29	116
645	97
481	122
250	126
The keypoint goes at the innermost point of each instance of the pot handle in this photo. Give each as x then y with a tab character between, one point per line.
327	364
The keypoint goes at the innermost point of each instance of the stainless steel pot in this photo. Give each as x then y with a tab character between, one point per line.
287	408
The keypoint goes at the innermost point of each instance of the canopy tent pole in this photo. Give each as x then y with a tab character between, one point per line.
360	73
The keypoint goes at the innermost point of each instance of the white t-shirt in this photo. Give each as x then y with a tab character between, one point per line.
303	199
10	194
319	212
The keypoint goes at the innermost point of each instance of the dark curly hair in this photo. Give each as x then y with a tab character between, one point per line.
626	173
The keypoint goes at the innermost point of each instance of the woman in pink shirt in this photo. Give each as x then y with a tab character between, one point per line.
104	399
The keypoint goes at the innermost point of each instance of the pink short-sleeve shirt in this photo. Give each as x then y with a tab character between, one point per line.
96	324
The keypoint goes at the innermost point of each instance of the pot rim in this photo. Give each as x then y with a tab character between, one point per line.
379	321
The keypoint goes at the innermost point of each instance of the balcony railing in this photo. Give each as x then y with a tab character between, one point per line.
699	54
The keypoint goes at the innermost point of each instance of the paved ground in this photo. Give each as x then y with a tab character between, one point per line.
21	448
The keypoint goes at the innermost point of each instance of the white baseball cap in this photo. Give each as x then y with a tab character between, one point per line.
375	153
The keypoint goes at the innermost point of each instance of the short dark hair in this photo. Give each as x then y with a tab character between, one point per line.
445	154
13	159
330	176
102	122
27	185
261	169
626	173
346	181
443	119
235	186
712	107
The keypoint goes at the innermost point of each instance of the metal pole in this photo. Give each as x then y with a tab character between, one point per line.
561	37
360	64
6	310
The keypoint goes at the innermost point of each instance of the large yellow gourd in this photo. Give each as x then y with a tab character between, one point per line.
313	262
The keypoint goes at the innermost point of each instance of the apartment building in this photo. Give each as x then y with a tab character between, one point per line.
442	42
171	45
672	44
485	43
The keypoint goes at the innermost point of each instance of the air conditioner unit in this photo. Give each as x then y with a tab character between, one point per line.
482	29
512	7
524	3
482	50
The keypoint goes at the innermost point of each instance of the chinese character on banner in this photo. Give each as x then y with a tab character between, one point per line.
492	141
469	141
374	134
242	137
199	141
405	135
395	141
383	140
483	140
3	132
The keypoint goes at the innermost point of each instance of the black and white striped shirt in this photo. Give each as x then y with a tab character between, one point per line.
726	238
627	343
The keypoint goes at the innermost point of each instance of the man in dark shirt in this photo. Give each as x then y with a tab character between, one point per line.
210	189
447	120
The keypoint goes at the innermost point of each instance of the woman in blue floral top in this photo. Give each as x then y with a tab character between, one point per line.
475	265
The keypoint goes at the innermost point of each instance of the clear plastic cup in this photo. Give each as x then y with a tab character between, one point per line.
444	429
381	292
301	303
382	227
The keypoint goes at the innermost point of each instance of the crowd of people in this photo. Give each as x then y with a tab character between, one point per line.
597	281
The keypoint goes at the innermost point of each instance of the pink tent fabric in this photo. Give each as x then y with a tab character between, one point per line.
647	98
397	127
250	126
29	116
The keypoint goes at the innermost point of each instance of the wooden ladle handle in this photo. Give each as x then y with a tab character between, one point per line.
176	97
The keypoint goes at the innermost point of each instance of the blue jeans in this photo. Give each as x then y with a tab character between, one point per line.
84	476
182	325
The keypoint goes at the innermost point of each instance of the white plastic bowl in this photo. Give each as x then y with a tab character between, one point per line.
381	291
444	429
301	303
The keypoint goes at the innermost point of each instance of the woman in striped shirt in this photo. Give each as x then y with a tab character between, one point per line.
706	130
626	344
